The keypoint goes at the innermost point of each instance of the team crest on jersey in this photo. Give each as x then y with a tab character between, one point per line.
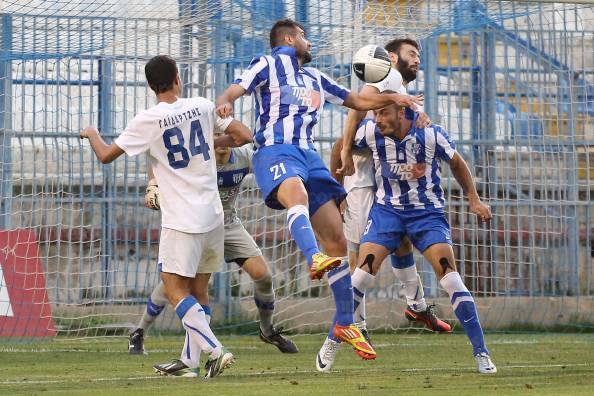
416	148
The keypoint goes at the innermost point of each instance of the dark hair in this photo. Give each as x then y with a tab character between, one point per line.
394	45
282	28
160	73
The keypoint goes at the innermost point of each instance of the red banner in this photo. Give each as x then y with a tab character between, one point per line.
24	307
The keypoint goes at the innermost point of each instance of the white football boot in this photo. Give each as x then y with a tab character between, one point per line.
326	355
484	364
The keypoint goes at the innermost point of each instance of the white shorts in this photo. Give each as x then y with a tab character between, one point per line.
239	243
358	205
187	254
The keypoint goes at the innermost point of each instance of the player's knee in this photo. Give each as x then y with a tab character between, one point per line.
367	264
292	192
447	265
264	282
334	243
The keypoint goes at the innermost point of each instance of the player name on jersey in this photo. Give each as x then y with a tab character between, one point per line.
177	119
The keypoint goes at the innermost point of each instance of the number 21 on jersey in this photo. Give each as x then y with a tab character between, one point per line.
195	149
278	170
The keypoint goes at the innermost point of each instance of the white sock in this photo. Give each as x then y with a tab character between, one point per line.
361	281
191	358
200	336
413	288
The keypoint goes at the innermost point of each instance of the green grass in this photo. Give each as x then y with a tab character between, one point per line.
408	364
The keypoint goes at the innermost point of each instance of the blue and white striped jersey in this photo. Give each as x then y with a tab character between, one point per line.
408	171
289	98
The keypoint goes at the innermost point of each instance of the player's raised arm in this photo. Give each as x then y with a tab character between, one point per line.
105	153
376	101
347	167
224	103
254	76
461	172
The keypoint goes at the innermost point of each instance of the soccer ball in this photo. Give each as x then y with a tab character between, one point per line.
371	63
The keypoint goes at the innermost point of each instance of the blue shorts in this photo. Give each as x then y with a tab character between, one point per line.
387	226
274	164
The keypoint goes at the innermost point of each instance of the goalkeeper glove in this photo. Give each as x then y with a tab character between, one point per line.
151	198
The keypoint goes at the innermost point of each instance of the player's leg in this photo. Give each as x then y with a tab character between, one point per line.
327	223
430	233
280	172
371	256
183	256
358	204
405	270
241	248
264	298
154	306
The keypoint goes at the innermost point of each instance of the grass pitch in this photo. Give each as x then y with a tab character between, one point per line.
408	364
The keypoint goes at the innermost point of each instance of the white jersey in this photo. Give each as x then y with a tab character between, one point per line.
179	139
362	158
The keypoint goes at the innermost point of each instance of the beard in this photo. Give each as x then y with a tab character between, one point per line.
407	73
306	57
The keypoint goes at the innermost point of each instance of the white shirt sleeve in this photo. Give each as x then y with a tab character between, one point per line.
138	135
393	82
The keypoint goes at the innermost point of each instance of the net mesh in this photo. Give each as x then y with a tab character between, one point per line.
512	83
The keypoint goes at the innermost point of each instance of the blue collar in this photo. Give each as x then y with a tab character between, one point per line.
284	50
232	157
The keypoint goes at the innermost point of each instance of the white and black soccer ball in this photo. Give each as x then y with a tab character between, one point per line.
371	63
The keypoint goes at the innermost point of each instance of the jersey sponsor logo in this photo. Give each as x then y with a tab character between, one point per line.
231	178
403	172
300	96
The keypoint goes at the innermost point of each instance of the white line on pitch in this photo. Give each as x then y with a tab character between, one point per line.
287	372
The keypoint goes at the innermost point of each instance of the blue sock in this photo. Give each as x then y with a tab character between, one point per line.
356	302
207	312
465	310
152	308
340	283
302	232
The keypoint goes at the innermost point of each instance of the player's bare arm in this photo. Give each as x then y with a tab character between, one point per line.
347	167
376	101
224	103
335	161
105	153
461	172
236	135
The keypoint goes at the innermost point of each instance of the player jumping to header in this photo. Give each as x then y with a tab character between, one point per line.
178	135
410	202
289	99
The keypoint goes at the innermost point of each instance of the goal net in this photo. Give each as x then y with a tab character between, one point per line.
511	82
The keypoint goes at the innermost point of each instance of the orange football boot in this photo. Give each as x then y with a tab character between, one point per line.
322	264
352	335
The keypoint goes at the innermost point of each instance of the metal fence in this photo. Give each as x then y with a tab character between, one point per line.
515	91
